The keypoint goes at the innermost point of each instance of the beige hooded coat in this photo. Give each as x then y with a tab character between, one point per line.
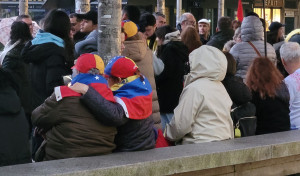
203	112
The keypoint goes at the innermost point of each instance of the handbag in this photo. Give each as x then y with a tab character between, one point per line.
244	120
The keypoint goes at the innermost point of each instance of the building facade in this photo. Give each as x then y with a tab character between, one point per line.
284	11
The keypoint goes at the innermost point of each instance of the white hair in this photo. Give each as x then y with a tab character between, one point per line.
184	17
290	52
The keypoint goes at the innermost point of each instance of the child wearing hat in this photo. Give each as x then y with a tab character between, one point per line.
132	112
71	130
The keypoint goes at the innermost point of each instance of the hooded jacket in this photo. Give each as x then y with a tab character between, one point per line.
138	51
45	56
14	128
169	83
251	30
203	112
88	45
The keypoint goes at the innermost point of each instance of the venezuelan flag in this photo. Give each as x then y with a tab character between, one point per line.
134	94
96	81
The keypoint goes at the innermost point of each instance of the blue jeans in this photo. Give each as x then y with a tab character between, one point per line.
165	119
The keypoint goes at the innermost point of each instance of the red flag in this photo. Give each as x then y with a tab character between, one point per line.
240	15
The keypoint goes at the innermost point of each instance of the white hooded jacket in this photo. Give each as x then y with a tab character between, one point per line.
203	112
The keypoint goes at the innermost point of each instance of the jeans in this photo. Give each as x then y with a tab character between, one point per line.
165	119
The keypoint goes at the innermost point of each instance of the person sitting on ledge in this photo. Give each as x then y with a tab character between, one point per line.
132	112
69	128
203	112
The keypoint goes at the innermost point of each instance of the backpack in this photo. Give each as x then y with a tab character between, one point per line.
244	120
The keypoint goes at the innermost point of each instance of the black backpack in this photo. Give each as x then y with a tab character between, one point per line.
244	120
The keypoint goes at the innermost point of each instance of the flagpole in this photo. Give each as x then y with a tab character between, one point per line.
264	25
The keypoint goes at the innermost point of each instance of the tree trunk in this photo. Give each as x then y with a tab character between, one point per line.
161	6
178	11
82	6
23	7
220	8
109	28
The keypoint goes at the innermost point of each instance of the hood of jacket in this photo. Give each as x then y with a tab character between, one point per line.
46	37
207	62
173	36
88	45
135	49
252	29
38	53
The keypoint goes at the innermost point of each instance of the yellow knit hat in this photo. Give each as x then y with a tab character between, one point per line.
130	28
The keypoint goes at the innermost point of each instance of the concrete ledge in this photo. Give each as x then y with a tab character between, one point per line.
227	156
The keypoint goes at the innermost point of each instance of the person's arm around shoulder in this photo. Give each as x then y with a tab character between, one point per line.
184	115
106	112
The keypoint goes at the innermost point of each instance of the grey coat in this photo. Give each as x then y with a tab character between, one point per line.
243	53
88	45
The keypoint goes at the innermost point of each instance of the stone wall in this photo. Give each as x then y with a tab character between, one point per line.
271	154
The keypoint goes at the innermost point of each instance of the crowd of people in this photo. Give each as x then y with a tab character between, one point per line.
170	86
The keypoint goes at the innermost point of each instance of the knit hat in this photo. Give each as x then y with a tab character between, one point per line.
120	66
130	28
275	26
86	62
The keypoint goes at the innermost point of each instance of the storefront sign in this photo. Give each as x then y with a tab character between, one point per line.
289	13
269	3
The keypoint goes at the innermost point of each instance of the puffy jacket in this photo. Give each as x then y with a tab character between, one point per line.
72	130
138	51
133	135
251	30
203	112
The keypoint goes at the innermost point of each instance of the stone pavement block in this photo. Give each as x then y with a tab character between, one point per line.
178	159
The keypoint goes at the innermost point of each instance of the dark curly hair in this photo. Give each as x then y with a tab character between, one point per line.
19	31
263	77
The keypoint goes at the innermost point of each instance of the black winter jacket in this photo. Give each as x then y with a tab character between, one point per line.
219	39
133	135
237	90
14	143
15	65
47	66
273	113
169	83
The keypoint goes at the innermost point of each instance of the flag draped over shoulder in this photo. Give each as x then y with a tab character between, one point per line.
96	81
240	14
135	96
